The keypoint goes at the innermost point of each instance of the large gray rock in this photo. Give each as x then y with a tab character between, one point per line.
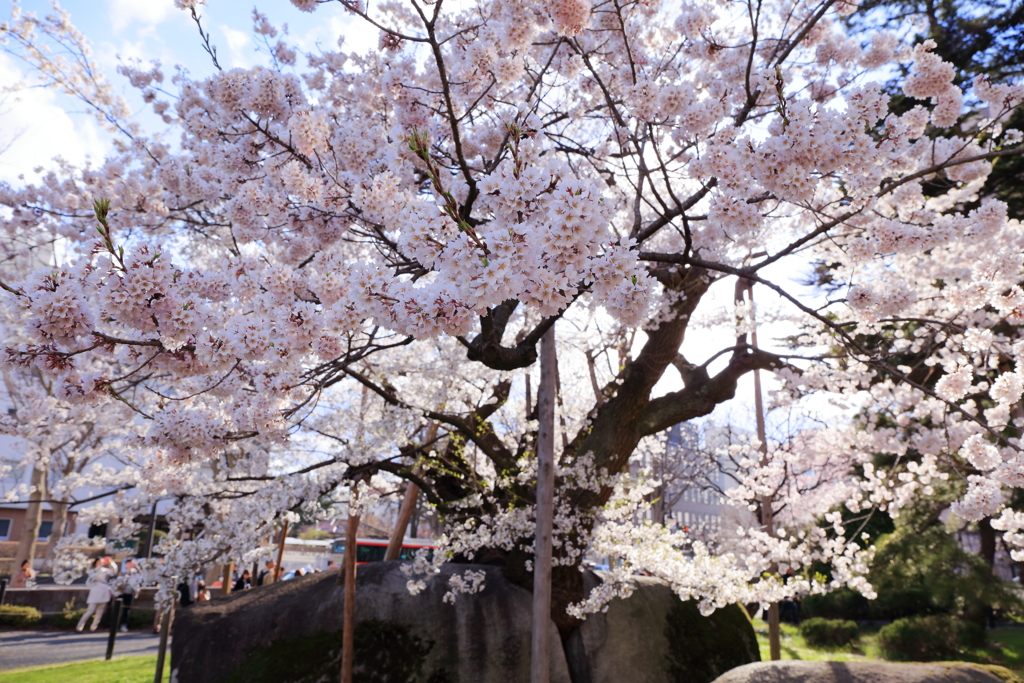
290	632
866	672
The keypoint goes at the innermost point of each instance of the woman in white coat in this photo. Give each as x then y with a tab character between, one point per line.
99	592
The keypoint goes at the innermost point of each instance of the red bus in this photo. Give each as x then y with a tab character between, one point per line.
373	549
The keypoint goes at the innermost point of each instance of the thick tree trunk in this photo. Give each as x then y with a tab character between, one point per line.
629	413
576	656
566	588
987	538
30	527
979	612
60	521
618	422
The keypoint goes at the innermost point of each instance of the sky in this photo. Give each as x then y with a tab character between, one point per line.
37	125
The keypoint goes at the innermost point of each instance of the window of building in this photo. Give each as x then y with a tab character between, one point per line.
45	529
5	529
17	468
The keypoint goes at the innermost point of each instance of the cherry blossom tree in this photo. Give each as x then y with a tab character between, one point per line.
63	443
491	170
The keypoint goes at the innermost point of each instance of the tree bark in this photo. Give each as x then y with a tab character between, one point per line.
576	656
626	415
60	521
980	611
540	661
30	527
987	542
629	414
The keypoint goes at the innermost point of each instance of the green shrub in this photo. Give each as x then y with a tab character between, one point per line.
18	616
69	615
829	633
928	639
844	603
141	618
920	569
315	535
891	603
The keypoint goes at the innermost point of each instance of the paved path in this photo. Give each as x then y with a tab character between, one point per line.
37	648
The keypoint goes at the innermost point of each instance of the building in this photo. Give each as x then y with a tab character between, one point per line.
694	476
12	514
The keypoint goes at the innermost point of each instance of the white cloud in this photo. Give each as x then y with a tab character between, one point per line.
147	12
238	41
334	28
34	129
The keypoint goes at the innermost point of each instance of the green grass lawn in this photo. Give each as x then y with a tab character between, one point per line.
119	670
1005	647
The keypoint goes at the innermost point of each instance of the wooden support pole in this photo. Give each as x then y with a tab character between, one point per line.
412	491
348	626
540	657
280	552
394	551
116	605
225	583
152	532
161	655
767	513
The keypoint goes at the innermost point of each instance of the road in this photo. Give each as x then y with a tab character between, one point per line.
37	648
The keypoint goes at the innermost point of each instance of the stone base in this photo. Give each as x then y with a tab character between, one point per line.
290	632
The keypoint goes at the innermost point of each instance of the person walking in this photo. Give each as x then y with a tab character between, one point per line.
127	591
99	592
267	575
184	594
244	581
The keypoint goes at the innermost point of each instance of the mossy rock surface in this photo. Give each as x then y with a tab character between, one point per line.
703	648
386	653
790	671
290	632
